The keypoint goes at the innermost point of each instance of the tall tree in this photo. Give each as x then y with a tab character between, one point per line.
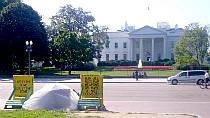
12	1
80	22
99	38
19	23
73	20
4	3
71	49
192	47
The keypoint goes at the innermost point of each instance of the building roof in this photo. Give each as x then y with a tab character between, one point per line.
147	30
174	31
119	34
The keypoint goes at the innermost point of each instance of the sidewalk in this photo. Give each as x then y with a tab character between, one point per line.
77	80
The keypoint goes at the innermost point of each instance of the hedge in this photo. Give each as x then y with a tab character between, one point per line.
165	62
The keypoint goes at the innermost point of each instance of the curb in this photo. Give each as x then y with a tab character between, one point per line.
182	115
105	82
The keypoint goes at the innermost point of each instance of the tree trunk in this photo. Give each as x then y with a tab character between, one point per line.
69	72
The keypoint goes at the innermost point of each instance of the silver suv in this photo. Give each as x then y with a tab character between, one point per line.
190	76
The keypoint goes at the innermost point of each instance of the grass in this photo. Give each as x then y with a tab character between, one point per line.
32	114
39	114
103	71
129	73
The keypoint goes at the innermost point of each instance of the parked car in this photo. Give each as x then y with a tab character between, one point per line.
189	76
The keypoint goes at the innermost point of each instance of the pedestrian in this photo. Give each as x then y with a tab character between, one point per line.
206	77
136	75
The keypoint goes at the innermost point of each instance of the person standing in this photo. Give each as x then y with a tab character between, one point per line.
136	75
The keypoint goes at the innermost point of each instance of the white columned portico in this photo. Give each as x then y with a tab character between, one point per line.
153	40
164	47
141	49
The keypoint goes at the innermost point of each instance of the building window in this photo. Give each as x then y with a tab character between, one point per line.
124	56
137	44
172	47
159	56
137	57
172	44
107	44
124	45
116	45
172	56
107	57
148	59
116	56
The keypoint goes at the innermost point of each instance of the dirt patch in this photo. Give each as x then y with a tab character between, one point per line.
130	115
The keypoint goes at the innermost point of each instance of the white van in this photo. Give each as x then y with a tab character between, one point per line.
189	76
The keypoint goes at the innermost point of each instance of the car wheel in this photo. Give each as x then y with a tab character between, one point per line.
174	82
200	81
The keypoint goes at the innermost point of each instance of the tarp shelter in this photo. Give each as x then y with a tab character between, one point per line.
53	97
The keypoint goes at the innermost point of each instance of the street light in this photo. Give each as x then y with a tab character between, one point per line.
29	50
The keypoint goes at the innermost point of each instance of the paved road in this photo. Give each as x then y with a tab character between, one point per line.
77	80
162	98
146	97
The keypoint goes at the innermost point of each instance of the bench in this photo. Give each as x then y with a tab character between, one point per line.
17	102
89	103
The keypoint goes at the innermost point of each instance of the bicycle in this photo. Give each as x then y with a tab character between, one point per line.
204	85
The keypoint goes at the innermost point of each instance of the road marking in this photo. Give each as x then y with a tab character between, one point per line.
194	102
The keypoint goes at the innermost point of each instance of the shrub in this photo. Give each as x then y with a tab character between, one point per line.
164	62
83	67
117	63
191	67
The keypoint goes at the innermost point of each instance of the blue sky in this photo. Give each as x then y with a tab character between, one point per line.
114	13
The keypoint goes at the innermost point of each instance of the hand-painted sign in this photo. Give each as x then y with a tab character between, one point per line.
92	86
22	83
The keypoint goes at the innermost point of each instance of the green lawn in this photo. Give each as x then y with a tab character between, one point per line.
32	114
39	114
129	73
104	72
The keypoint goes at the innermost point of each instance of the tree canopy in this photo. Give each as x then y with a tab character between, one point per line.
81	24
70	50
191	49
19	23
73	19
4	3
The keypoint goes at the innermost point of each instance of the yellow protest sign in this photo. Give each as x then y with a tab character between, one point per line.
22	83
92	86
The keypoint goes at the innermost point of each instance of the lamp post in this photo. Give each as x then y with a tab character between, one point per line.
29	50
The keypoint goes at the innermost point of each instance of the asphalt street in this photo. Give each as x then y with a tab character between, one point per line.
144	97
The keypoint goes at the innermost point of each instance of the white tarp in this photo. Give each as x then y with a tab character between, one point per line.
53	97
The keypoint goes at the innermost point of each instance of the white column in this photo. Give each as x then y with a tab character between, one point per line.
141	49
153	56
164	47
131	49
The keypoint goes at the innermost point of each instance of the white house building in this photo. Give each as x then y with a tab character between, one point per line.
146	43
